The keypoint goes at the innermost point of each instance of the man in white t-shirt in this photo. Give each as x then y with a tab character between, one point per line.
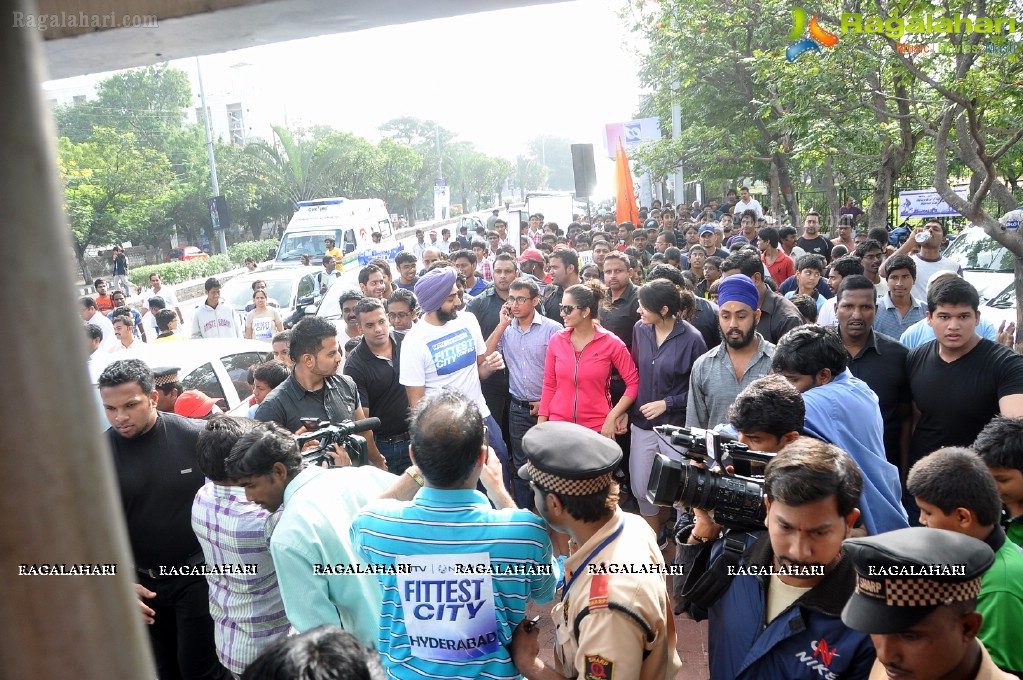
90	314
747	202
447	350
927	256
156	288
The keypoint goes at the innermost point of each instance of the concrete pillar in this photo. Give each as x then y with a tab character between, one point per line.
59	502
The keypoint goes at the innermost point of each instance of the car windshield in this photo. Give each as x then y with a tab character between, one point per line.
330	305
975	250
238	294
1004	300
294	246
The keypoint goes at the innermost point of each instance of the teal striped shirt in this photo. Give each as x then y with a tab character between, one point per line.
455	522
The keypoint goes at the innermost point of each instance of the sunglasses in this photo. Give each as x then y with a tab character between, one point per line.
567	309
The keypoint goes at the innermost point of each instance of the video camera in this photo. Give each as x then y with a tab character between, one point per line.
737	501
344	435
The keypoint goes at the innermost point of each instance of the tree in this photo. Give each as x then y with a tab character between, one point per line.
529	174
113	189
980	122
400	166
300	167
555	153
150	102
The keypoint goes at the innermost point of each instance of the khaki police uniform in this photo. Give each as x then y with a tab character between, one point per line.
616	625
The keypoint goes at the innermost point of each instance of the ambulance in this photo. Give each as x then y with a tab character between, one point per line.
350	222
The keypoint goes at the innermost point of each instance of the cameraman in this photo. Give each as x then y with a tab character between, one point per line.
314	389
778	615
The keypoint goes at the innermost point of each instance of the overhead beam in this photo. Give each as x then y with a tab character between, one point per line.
111	40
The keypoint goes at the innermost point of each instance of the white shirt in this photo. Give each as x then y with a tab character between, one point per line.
753	205
436	357
109	339
445	246
135	344
165	292
827	317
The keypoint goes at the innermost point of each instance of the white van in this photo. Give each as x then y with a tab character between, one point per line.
350	222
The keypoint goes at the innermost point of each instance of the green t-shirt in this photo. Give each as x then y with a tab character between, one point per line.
1014	530
1001	603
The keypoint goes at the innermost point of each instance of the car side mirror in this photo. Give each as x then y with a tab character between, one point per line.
304	301
349	248
272	254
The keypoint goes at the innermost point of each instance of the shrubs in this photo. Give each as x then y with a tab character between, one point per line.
177	272
257	250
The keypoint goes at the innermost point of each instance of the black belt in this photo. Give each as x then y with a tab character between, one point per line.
403	437
524	403
192	560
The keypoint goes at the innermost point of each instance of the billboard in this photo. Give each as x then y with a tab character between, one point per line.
632	132
927	203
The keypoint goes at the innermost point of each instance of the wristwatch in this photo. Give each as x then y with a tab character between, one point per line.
414	474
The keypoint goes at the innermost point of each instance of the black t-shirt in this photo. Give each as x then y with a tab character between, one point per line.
818	246
486	307
158	478
379	389
623	315
882	365
956	400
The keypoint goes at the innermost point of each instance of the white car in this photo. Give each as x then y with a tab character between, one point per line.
284	286
218	367
1001	308
986	263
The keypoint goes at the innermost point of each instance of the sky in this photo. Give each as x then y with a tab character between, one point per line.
497	79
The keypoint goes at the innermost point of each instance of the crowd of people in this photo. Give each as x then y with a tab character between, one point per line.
527	395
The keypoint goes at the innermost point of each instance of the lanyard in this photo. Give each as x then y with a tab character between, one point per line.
607	542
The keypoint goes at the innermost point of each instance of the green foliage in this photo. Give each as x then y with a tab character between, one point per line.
257	250
113	189
173	273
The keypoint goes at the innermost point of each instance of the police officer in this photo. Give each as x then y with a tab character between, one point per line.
609	624
916	594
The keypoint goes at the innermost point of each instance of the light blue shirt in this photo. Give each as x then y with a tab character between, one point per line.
525	352
845	412
455	522
889	321
921	333
313	533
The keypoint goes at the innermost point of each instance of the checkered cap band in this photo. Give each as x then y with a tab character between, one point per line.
569	487
167	379
917	592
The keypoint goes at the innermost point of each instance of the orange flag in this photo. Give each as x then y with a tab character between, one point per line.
626	209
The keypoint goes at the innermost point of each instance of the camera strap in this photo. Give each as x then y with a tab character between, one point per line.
713	583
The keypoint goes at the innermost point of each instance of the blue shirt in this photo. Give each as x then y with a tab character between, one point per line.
845	412
312	537
921	333
889	320
455	522
525	352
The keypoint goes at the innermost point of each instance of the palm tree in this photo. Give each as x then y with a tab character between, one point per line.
301	169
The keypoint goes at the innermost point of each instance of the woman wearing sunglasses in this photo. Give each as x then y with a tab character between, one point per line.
577	371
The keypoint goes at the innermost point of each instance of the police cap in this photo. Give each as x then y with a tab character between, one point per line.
569	459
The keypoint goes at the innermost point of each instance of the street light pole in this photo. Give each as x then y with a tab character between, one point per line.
217	232
676	132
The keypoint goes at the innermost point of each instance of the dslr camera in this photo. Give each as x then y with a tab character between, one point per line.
344	435
736	500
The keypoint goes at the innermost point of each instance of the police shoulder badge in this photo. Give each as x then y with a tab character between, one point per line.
598	668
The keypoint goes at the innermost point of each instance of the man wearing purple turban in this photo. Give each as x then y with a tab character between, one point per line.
447	350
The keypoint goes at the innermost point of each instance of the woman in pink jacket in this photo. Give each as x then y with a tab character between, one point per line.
577	372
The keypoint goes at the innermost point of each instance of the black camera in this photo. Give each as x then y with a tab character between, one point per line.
344	435
737	501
